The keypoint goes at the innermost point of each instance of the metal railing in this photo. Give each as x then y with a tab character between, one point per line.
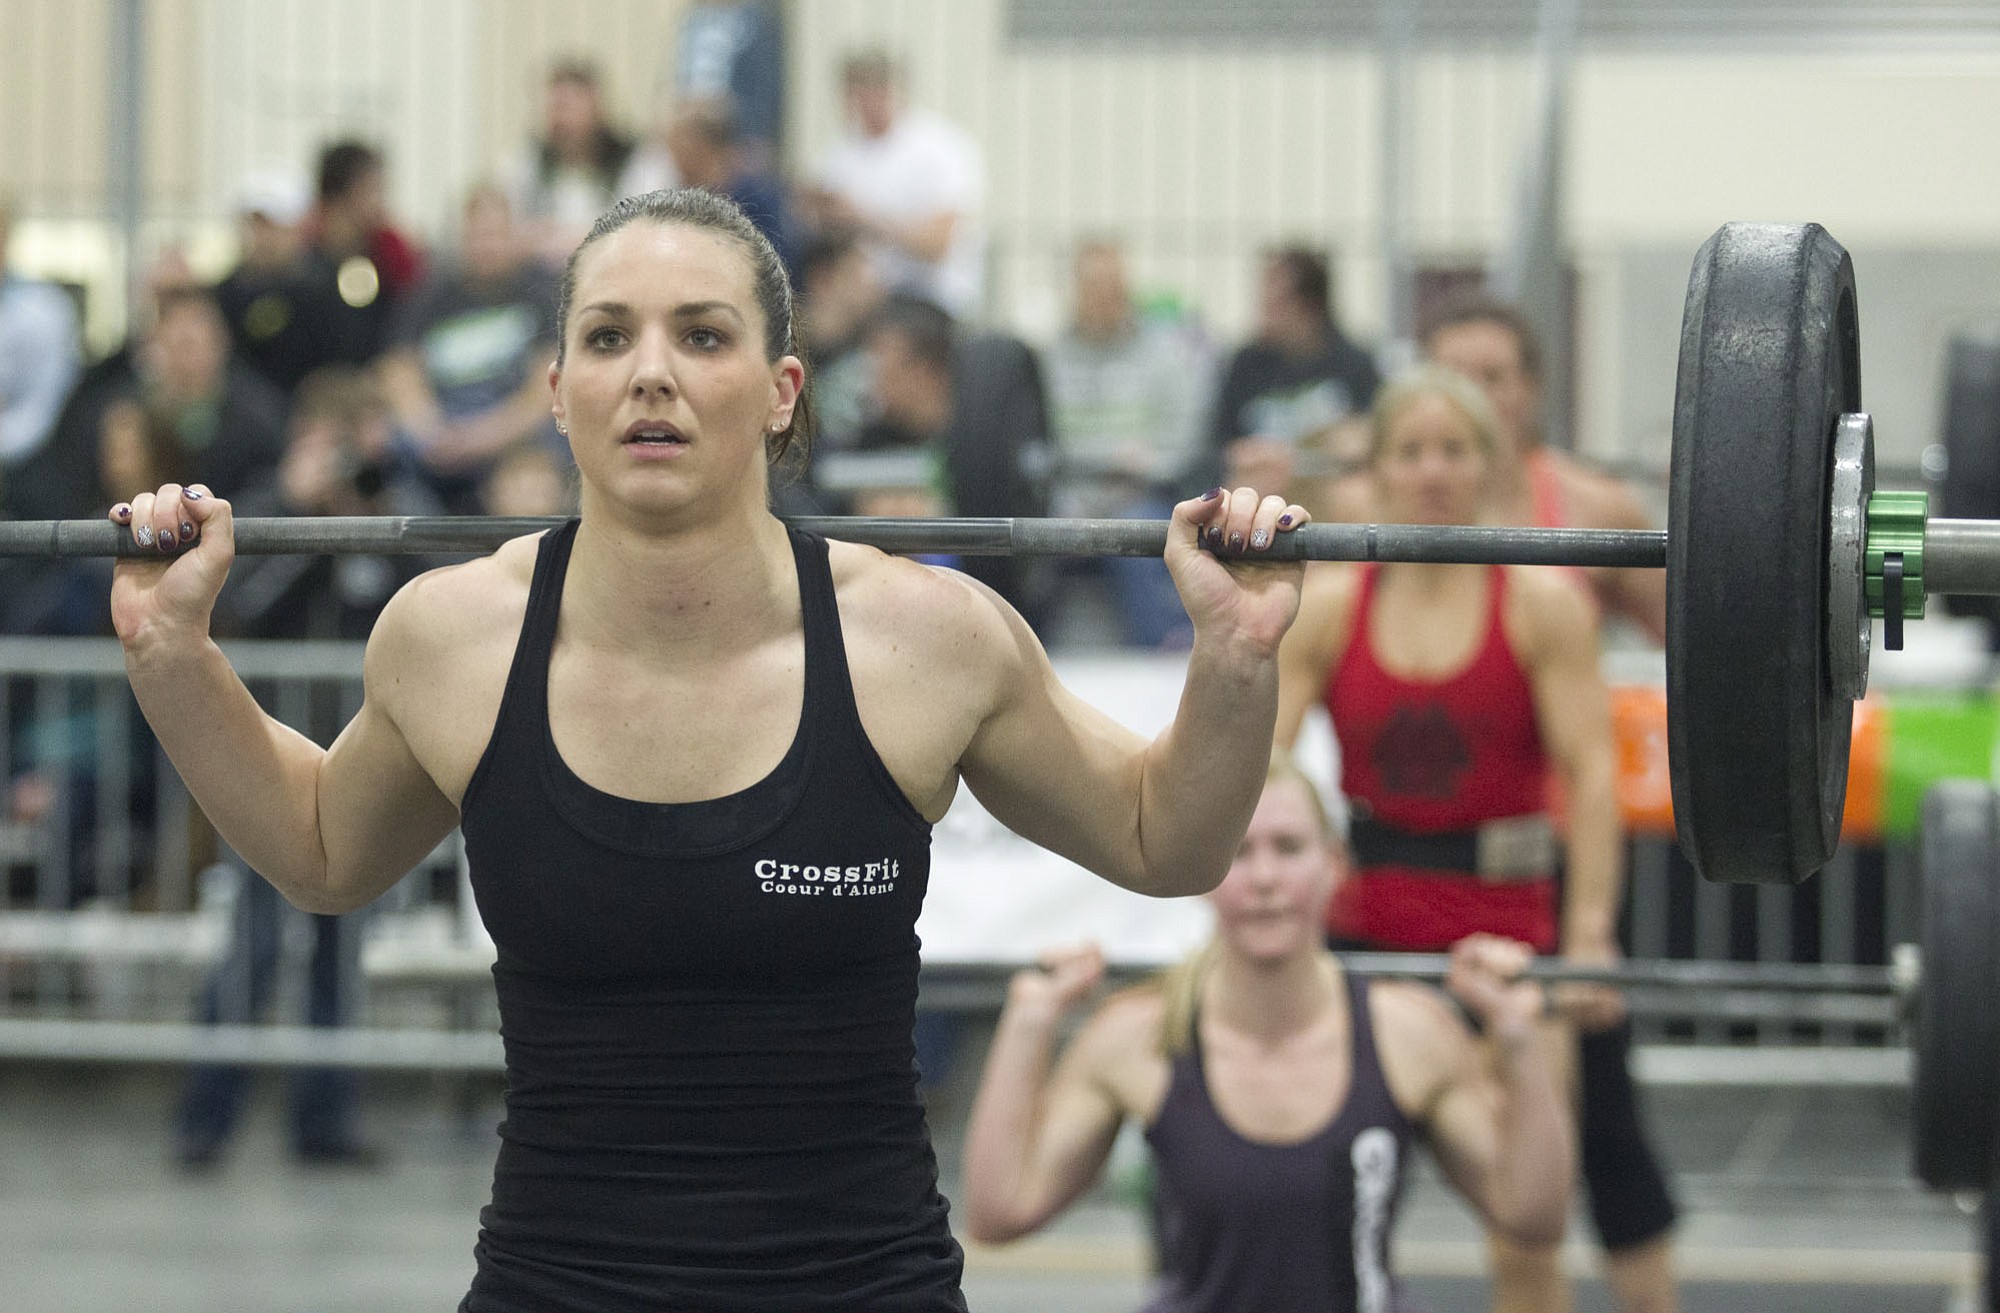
115	909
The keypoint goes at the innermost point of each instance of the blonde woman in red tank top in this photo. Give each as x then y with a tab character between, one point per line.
1453	690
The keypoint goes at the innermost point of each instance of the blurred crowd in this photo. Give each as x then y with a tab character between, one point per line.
343	367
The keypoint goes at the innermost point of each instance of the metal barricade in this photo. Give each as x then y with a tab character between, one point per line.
116	907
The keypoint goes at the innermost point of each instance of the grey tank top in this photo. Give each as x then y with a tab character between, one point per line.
1304	1226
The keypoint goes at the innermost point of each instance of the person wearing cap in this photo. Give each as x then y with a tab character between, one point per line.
266	299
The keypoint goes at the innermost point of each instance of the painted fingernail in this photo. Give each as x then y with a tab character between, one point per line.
1285	520
143	535
1215	535
1260	538
1211	494
192	494
187	530
122	510
166	540
1235	542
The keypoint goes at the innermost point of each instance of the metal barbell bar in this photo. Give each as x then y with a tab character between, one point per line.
1960	556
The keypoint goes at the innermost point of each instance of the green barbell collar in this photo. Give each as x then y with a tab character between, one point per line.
1896	523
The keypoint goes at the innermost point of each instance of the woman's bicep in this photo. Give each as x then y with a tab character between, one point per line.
380	812
1059	772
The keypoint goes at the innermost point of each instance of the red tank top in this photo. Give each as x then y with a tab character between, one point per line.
1433	758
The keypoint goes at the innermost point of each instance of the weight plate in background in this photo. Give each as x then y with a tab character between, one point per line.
1958	1000
1971	486
1756	736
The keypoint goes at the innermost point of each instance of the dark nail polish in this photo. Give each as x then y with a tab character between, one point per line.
1211	494
187	530
121	510
166	540
1235	542
192	494
1215	535
1285	520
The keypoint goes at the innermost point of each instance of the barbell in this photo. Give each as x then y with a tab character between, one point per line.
1778	550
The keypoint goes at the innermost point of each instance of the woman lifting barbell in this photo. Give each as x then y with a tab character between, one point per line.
696	758
1279	1092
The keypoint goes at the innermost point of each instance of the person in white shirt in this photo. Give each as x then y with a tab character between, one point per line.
910	185
40	355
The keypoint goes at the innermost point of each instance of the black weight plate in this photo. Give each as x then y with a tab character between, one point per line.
1971	489
1756	738
1957	1024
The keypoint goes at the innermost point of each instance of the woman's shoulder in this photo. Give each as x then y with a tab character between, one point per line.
1547	604
443	611
924	608
1125	1030
1420	1041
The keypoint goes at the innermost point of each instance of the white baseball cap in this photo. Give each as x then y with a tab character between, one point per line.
276	194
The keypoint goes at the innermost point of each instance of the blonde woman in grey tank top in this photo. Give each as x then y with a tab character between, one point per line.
1280	1095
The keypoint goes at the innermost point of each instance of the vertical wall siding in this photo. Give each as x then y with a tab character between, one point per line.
1197	156
52	103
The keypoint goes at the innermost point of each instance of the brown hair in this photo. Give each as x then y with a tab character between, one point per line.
1481	309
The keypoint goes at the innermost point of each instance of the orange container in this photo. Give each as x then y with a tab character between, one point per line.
1645	791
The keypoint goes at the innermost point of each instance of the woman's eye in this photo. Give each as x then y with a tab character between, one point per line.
704	338
605	339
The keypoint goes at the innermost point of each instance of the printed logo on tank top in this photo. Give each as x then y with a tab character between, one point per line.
1374	1159
1420	753
826	881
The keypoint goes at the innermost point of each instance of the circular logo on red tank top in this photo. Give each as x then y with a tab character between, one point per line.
1420	753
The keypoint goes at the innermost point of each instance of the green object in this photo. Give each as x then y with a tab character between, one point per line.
1932	735
1896	522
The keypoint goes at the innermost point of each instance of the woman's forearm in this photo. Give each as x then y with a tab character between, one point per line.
1204	774
1594	875
1001	1133
254	778
1536	1163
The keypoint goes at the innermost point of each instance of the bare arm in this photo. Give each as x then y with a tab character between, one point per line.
1573	711
330	828
1638	595
1034	1143
1310	647
1501	1130
1162	818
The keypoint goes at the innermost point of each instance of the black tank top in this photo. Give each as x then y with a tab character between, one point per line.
1249	1225
706	1008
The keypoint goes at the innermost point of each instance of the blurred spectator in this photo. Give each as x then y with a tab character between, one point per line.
225	418
732	52
336	462
467	367
909	184
1492	343
1125	392
838	293
957	424
530	479
707	153
39	358
1297	374
269	300
358	266
574	170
